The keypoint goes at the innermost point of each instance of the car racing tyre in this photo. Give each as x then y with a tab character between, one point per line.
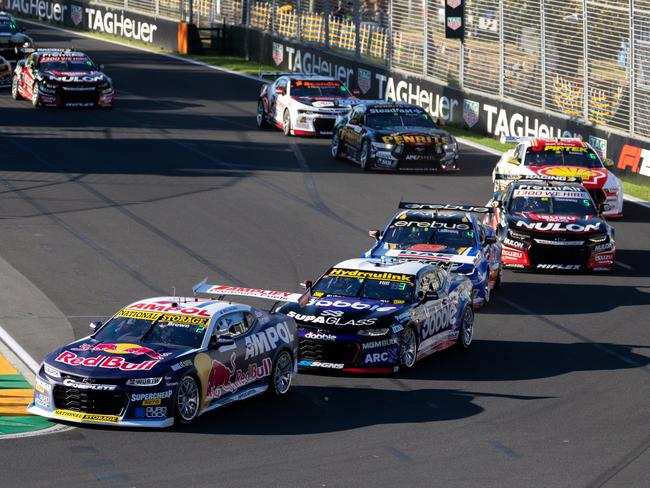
188	397
408	350
262	123
364	158
487	292
36	100
286	123
466	332
336	145
497	283
14	89
281	374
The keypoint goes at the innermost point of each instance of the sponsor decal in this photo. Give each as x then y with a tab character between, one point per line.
224	380
164	307
320	336
634	158
320	302
604	258
432	225
364	80
120	348
155	412
377	344
319	364
88	417
599	145
152	402
435	315
389	356
397	328
315	319
551	193
445	206
410	139
512	243
592	176
557	226
603	247
138	397
42	386
53	11
559	242
454	22
371	275
106	362
88	386
454	3
553	218
268	339
471	112
42	400
76	14
118	24
561	267
278	53
181	365
235	290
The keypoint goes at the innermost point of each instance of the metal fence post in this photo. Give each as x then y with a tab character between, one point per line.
275	6
542	49
631	63
585	70
425	48
502	48
298	20
327	24
357	29
389	41
157	8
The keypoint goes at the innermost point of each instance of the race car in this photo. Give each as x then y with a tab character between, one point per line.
569	157
551	224
5	73
377	316
394	136
12	39
167	359
302	104
452	236
61	78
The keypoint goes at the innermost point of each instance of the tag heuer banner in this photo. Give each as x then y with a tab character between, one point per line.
454	19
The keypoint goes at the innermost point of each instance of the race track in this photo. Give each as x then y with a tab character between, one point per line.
99	208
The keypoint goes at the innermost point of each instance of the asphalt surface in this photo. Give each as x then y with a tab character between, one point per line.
98	208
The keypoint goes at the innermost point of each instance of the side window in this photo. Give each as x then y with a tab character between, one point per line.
481	233
30	61
233	324
518	152
357	116
429	281
281	83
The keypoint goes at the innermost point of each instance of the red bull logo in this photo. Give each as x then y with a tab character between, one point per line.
102	361
120	348
223	379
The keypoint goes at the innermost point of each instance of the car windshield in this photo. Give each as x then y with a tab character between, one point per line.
67	64
404	234
8	26
318	89
552	202
391	287
562	156
382	118
181	332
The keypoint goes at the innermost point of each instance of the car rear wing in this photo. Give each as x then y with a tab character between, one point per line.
222	290
277	74
518	139
445	207
562	179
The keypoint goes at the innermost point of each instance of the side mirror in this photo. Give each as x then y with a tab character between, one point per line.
94	325
375	234
609	163
218	341
512	160
605	207
490	239
100	67
280	91
307	284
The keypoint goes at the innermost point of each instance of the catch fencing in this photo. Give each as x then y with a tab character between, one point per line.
586	59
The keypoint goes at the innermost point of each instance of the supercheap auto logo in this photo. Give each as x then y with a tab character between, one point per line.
370	275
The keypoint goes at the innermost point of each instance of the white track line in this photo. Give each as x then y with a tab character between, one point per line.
625	266
18	350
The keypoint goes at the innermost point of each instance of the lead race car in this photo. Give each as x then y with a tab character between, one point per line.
164	359
61	78
380	316
13	39
551	224
394	136
563	157
452	236
302	104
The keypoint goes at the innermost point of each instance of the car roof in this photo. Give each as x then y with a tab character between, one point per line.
396	104
563	141
548	184
184	305
312	78
61	52
380	266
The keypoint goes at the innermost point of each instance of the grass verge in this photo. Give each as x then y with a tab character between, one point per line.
636	190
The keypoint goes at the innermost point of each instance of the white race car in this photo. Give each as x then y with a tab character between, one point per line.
302	104
563	157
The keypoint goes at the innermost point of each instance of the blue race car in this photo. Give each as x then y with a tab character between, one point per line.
450	235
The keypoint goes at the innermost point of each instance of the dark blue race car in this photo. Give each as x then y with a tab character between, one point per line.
450	235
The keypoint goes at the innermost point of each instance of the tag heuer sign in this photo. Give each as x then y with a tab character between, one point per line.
454	3
364	80
76	14
454	23
454	19
278	53
470	112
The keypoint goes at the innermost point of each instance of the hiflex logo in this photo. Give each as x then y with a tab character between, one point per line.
120	348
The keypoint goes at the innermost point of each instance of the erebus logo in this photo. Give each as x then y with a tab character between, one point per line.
446	206
560	267
557	227
118	24
320	336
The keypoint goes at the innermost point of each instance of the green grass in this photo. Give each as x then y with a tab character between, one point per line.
484	140
636	190
232	63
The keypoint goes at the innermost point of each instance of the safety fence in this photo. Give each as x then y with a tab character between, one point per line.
585	59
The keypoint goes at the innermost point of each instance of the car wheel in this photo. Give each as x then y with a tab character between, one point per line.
187	399
466	332
497	283
336	145
14	89
36	99
487	292
281	374
286	123
262	123
364	159
408	351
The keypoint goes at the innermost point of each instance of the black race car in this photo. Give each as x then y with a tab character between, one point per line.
551	224
12	39
5	72
394	136
62	78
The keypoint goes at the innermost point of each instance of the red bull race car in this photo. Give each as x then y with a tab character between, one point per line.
168	359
